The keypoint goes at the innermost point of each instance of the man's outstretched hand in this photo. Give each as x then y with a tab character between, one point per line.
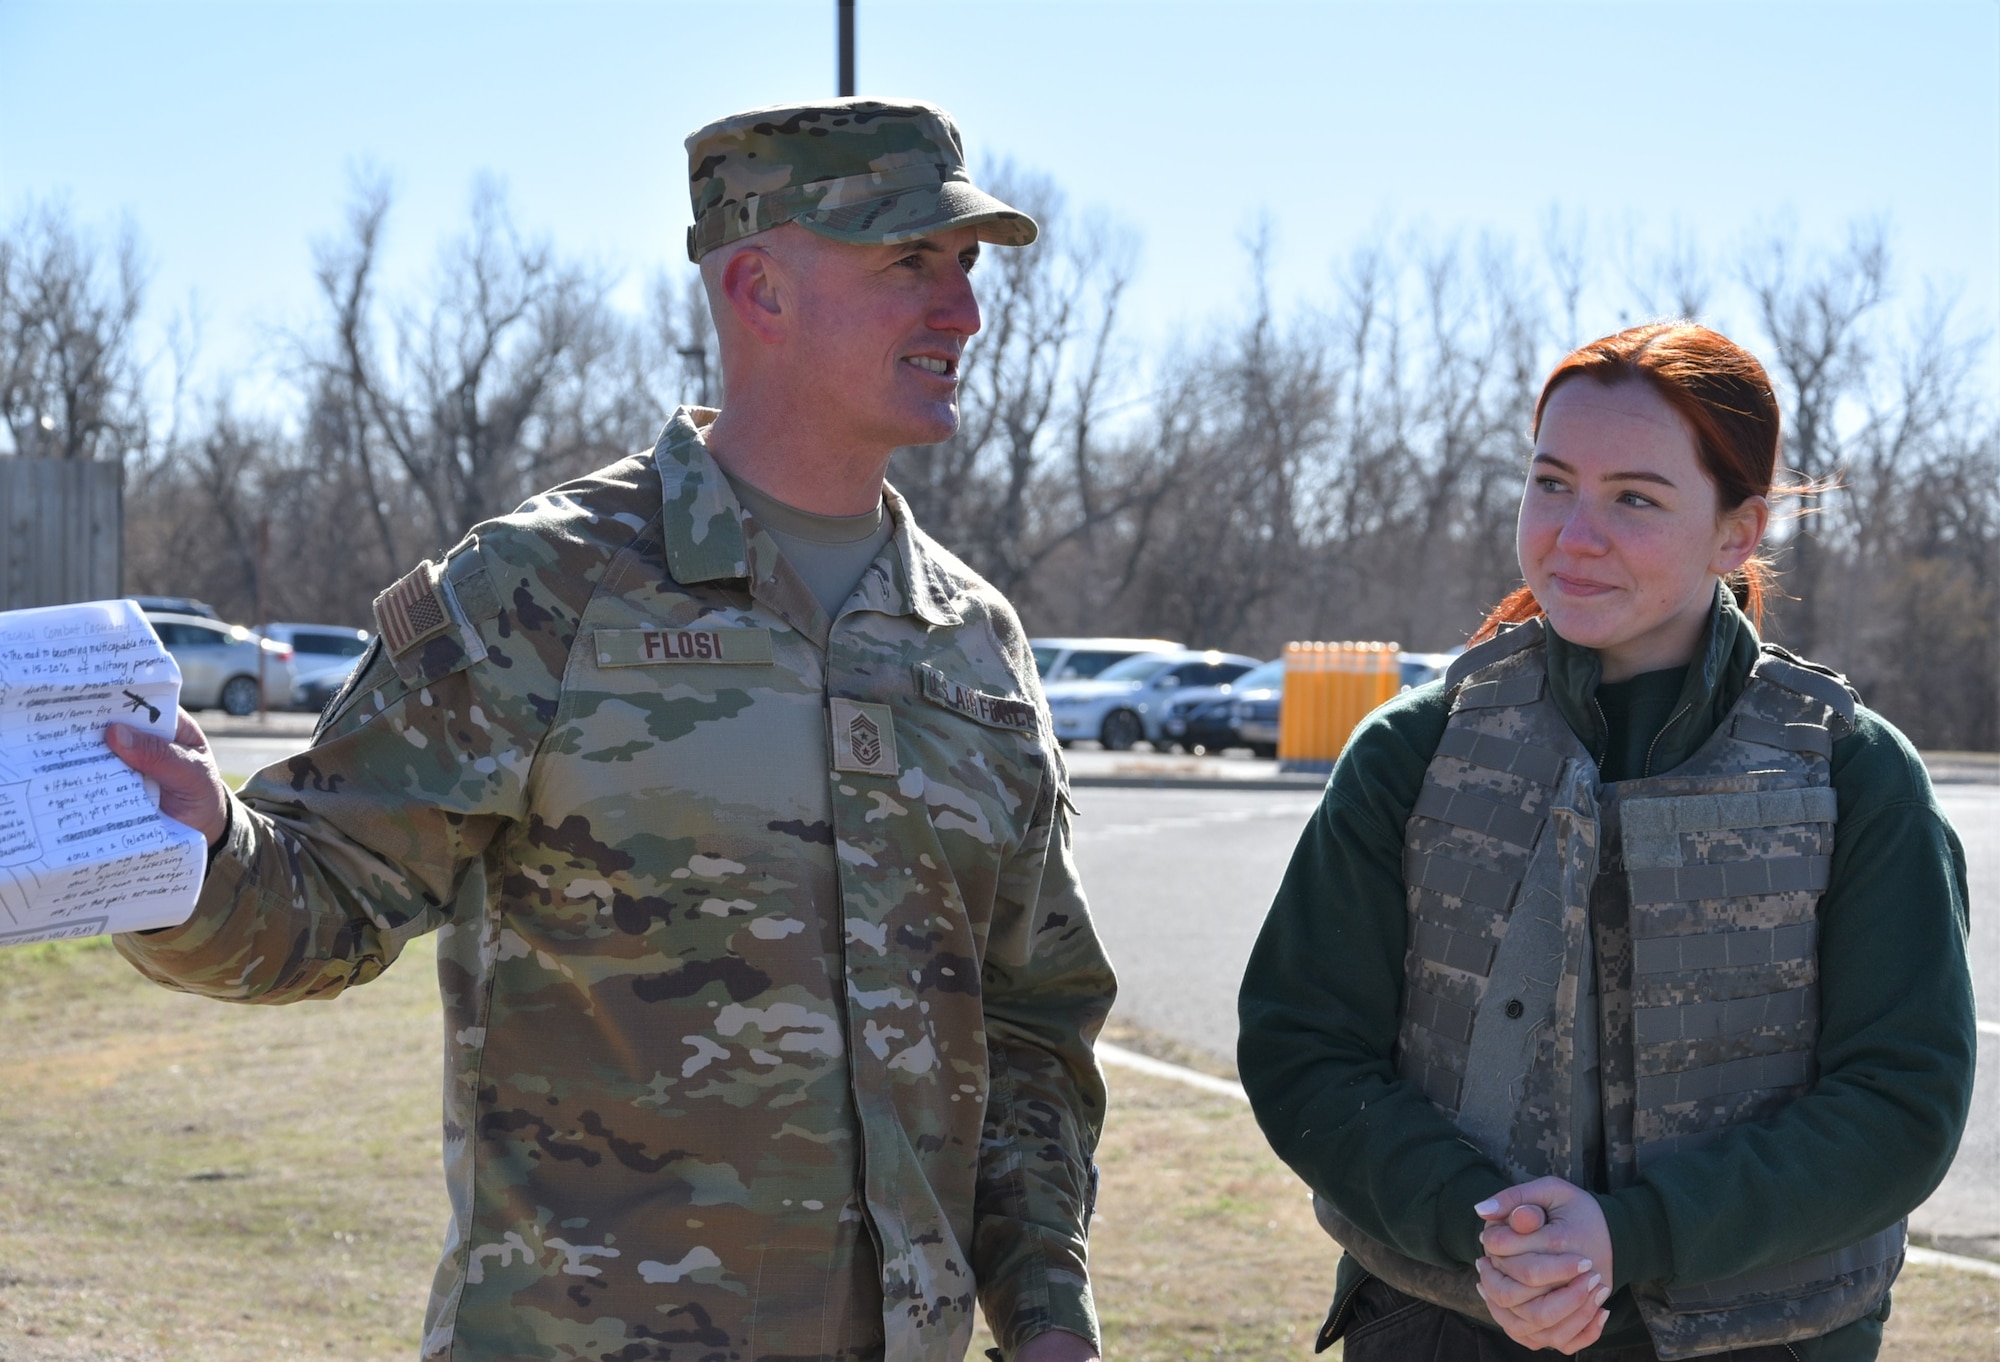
1547	1271
191	788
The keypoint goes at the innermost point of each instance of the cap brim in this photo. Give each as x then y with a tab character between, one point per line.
912	214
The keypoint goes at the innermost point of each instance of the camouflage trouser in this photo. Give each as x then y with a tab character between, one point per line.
1387	1326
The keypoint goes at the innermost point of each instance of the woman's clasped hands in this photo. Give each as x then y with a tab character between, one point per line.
1547	1269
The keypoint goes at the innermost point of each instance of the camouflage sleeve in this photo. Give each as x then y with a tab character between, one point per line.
336	858
1048	988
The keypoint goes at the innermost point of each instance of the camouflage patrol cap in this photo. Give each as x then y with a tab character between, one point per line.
860	170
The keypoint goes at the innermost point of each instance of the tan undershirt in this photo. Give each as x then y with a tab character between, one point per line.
830	552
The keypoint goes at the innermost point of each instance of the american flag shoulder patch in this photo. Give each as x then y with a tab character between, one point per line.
412	610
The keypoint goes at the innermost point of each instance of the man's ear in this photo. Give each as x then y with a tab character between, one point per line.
754	282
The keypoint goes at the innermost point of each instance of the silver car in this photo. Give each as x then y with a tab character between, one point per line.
220	663
322	657
1128	701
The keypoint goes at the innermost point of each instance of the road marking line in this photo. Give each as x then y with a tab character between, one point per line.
1924	1257
1987	1028
1159	1068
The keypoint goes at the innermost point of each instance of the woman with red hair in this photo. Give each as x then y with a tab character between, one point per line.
1615	1000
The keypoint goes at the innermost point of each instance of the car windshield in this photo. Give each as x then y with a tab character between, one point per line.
1270	674
1044	659
1144	667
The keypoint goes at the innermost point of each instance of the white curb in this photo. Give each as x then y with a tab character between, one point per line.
1159	1068
1924	1257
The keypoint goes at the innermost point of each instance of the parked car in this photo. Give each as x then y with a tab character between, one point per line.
1127	702
1255	709
1418	668
321	653
219	663
1203	720
1080	659
313	696
175	605
1254	713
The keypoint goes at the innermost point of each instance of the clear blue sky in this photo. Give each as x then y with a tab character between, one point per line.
227	131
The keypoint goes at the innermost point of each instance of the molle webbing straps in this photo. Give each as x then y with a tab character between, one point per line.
1539	764
1707	1021
1461	880
1752	1074
1812	738
1509	692
1725	950
1734	880
1463	808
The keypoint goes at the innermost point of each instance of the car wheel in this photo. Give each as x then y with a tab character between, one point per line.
1121	729
239	695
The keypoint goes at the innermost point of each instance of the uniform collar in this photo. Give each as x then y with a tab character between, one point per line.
710	537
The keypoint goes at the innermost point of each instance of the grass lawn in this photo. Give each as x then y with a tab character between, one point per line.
190	1181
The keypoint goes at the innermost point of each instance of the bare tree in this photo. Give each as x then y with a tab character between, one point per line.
1018	482
505	377
70	377
1815	318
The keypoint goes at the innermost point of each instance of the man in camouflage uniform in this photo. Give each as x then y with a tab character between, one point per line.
769	988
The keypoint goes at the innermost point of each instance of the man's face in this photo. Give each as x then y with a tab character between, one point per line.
880	331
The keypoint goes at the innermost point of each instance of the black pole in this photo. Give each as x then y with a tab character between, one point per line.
846	47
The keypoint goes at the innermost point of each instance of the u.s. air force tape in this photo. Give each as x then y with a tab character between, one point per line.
995	710
655	647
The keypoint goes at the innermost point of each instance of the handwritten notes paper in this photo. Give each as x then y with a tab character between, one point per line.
84	849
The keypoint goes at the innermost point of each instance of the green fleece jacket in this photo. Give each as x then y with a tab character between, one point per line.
1322	998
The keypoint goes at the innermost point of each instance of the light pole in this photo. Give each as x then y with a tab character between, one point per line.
846	9
697	355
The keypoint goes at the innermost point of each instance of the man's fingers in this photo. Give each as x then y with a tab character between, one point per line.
142	751
191	788
187	733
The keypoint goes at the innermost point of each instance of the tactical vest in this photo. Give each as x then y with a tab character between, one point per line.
1599	975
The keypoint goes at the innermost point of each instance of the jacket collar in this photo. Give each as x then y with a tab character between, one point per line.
1712	687
710	537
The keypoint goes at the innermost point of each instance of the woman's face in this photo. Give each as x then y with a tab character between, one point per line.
1620	536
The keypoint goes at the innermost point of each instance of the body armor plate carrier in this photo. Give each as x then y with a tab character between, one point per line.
1600	975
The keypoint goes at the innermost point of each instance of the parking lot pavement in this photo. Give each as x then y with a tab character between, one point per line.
1143	769
247	745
